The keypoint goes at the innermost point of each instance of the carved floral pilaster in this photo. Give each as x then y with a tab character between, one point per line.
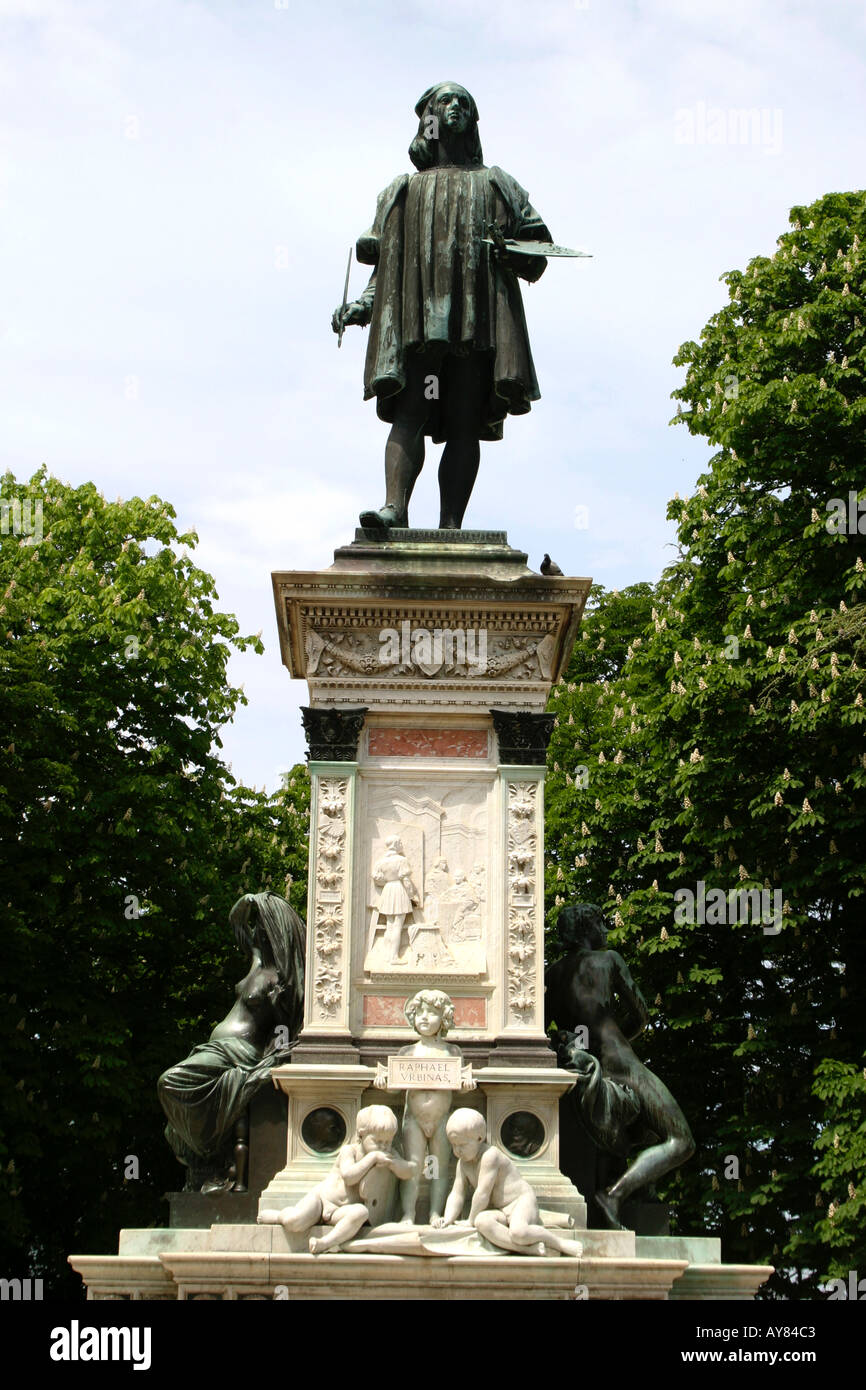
330	896
522	849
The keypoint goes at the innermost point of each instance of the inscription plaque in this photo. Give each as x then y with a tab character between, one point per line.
425	1073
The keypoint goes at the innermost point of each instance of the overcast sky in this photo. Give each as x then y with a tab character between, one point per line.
179	186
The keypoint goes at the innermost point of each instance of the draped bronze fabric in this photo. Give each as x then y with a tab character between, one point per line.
437	284
205	1095
608	1108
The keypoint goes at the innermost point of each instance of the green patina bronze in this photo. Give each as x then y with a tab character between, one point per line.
448	354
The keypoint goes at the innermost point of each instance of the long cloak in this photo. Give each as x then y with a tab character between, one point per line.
438	287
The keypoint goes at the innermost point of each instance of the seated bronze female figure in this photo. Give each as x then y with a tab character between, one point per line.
205	1097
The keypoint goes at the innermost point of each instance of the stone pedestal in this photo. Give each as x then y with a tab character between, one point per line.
429	659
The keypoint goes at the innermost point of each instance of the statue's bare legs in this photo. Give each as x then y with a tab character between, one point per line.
349	1223
458	467
416	1147
664	1116
650	1165
404	459
521	1233
309	1211
304	1214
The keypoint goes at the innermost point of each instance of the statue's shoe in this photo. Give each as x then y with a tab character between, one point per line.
383	519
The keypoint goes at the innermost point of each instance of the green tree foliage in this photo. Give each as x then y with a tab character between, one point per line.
841	1087
725	746
124	843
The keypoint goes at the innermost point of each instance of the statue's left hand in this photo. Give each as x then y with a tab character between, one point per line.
499	250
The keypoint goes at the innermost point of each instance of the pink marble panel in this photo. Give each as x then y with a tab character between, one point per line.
428	743
470	1013
386	1011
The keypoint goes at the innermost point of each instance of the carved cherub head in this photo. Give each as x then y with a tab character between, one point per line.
467	1132
377	1123
430	1012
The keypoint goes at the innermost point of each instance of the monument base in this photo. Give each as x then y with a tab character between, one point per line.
232	1263
530	1094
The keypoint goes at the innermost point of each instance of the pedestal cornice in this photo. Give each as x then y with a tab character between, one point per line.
497	634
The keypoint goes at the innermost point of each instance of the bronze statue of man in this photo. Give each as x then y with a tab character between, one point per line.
624	1106
448	354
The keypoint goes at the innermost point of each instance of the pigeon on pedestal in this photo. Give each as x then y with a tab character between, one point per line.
549	566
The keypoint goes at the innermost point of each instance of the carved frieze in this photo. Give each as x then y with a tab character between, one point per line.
445	649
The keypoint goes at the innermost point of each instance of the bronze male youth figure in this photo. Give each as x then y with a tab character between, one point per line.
448	355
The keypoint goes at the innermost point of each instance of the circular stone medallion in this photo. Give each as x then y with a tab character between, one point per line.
522	1133
323	1130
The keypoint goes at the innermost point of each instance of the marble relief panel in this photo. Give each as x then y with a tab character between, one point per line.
425	867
